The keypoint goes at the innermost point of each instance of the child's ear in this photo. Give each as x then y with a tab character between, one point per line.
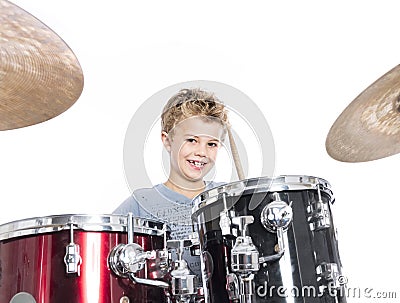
166	141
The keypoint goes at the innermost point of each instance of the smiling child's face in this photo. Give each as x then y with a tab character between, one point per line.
193	146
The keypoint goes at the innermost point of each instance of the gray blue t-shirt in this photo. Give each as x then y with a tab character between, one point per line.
162	204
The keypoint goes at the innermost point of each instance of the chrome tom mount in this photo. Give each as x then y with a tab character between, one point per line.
125	260
179	283
184	284
276	218
245	260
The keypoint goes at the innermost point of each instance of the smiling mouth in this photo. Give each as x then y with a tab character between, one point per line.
197	164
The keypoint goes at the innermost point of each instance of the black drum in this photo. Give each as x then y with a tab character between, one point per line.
269	240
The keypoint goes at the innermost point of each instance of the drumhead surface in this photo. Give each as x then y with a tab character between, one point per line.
110	223
259	185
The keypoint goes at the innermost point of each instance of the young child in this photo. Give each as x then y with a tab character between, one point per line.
194	125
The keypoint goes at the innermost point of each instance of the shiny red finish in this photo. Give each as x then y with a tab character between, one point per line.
35	264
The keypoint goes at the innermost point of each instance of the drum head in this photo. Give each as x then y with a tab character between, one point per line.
110	223
216	197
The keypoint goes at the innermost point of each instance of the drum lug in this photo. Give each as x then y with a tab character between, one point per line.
329	273
72	258
225	221
319	218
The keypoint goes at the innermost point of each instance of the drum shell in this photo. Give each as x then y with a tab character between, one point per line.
35	264
307	248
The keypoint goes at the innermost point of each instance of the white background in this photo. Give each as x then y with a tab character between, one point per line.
301	62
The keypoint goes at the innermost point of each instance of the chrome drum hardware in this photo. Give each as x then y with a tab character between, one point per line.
72	257
266	234
319	213
244	262
329	274
64	258
127	259
184	284
276	218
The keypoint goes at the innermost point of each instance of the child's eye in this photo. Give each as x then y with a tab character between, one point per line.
191	140
212	144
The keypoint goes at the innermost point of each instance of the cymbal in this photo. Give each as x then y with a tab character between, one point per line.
369	128
40	77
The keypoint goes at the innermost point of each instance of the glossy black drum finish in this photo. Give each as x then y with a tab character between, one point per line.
310	268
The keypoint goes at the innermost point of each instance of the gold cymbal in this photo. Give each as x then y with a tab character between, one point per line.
40	76
369	128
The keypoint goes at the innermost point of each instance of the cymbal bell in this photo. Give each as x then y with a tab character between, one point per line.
40	77
369	128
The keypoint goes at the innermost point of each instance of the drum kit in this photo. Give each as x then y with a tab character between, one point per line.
268	239
283	249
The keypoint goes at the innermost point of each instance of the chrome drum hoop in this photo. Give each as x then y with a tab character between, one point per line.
260	185
86	222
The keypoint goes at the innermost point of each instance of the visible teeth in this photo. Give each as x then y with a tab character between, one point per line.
196	163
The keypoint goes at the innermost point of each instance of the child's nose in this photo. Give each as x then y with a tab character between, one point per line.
201	150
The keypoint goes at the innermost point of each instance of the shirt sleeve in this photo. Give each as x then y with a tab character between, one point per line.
129	205
132	205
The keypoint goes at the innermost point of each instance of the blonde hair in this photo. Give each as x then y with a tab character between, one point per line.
193	102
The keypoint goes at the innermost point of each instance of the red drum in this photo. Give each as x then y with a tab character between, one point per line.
41	263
